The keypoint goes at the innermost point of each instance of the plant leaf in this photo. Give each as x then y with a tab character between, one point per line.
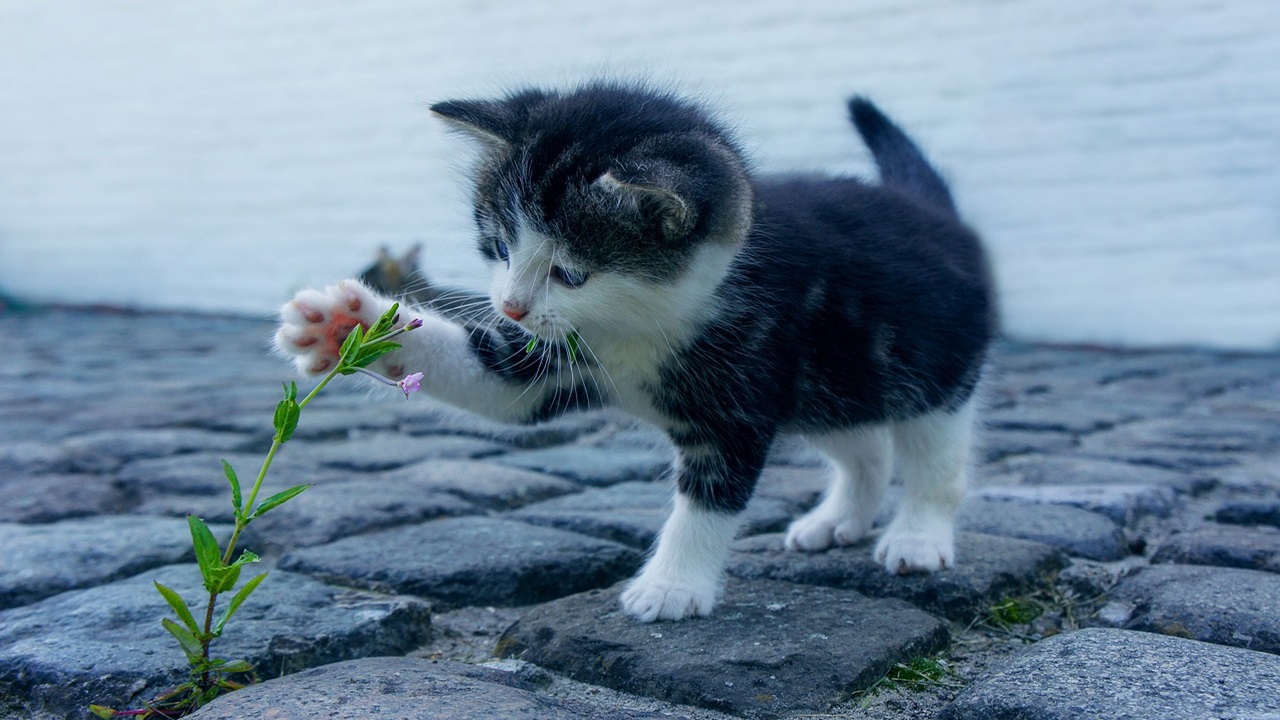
179	606
286	418
246	557
206	547
229	575
531	345
237	500
383	324
351	345
572	339
373	351
234	667
276	500
236	602
208	695
105	713
190	645
226	578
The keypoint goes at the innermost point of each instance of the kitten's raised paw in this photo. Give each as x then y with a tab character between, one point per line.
314	324
649	600
908	551
818	530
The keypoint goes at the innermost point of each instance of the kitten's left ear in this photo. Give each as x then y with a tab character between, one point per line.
654	185
496	123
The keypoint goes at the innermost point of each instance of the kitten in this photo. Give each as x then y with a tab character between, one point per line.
626	232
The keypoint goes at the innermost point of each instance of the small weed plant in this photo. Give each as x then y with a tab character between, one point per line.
209	676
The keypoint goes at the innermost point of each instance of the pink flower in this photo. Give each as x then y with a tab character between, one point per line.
411	384
414	324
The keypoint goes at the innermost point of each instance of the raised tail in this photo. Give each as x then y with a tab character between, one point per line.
902	165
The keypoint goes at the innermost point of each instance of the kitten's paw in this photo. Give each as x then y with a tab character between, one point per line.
907	551
314	324
648	600
819	530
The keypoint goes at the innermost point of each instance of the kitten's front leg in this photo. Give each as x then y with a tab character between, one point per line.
476	369
315	323
682	578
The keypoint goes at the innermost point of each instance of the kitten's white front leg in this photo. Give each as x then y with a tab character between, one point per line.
682	579
314	324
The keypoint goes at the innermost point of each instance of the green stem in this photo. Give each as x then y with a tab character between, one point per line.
242	519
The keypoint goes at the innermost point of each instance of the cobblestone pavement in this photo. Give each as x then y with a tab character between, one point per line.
1120	553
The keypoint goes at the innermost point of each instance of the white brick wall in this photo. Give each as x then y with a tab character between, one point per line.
1122	158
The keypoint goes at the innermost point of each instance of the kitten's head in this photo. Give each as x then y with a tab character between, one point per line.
607	208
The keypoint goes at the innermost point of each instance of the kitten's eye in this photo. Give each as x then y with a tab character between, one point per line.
571	278
504	253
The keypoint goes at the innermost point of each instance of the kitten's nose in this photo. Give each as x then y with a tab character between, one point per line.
514	310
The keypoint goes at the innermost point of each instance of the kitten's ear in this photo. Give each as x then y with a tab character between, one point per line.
496	123
484	120
654	185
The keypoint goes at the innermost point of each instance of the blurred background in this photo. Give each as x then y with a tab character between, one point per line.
1121	158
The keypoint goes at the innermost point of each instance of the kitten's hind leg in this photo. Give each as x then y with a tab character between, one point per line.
933	458
863	461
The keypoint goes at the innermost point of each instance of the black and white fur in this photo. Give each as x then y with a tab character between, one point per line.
722	307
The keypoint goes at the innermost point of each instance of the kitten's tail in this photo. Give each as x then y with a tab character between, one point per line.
902	165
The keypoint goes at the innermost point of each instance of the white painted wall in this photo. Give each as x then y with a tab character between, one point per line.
1122	158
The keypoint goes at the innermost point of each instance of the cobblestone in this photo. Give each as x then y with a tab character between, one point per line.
1107	674
1139	490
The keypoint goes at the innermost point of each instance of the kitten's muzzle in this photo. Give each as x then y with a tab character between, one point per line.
515	311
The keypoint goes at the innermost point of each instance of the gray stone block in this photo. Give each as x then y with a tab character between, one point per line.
433	418
106	450
106	646
331	511
403	688
988	569
20	459
768	649
374	452
486	483
201	473
1227	606
996	445
1122	503
48	498
1069	470
1118	675
470	561
1249	512
1205	434
632	513
1225	545
594	466
1074	531
43	560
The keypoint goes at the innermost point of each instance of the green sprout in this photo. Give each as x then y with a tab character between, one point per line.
915	675
210	677
1014	611
571	341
